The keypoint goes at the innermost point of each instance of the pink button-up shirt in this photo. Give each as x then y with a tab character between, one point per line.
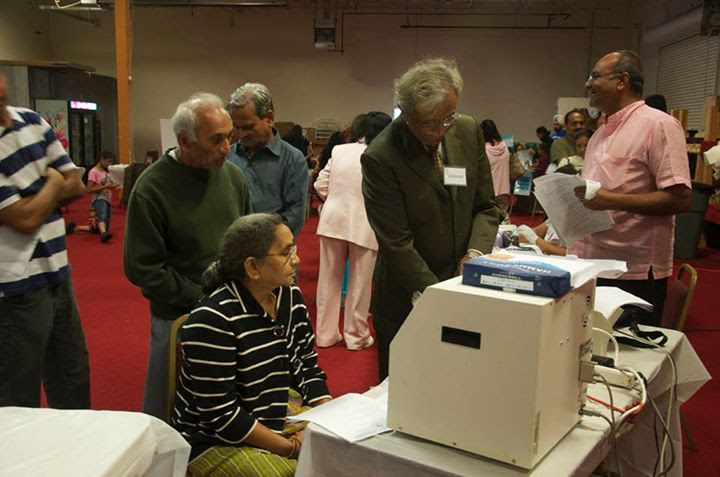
639	150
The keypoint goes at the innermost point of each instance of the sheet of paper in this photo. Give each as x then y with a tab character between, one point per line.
353	417
608	299
605	268
572	220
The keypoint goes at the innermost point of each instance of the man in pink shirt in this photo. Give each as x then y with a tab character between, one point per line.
639	158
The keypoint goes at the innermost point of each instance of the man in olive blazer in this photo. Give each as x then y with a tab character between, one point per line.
425	227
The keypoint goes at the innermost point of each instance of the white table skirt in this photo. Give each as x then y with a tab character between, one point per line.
578	453
44	442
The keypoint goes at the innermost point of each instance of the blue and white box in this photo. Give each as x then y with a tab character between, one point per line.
523	273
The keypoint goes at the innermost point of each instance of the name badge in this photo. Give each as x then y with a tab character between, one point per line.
455	176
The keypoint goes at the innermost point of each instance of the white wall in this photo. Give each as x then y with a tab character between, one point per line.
511	76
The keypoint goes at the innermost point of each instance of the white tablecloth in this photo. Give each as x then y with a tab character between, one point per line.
52	442
578	453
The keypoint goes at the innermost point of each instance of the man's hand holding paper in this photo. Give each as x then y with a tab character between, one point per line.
560	195
598	199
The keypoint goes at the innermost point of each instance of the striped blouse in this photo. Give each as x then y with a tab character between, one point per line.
238	365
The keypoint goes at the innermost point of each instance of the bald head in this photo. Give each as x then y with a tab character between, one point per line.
627	61
615	81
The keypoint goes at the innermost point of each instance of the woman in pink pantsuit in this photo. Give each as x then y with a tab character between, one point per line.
499	157
345	233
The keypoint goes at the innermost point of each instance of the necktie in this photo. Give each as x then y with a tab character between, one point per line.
438	163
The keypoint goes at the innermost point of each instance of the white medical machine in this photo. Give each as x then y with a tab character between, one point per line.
491	372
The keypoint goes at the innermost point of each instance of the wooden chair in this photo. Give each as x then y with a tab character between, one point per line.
174	357
311	192
679	298
677	305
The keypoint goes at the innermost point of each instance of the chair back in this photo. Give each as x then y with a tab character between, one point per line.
679	298
174	360
311	189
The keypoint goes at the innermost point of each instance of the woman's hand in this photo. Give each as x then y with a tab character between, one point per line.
321	401
295	442
269	440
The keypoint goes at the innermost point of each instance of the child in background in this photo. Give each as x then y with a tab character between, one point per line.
100	185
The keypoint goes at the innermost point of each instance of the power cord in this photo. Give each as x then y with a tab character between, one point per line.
672	399
614	342
615	424
666	433
640	382
613	427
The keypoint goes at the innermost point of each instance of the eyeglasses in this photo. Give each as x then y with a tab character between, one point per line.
289	254
596	76
434	123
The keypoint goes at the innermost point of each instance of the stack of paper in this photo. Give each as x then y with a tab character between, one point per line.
353	417
530	274
610	300
608	309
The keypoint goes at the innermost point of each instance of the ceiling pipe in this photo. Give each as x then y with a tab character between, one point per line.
92	21
488	27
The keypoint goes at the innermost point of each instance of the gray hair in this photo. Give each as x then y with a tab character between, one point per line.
251	235
184	121
629	62
427	84
255	92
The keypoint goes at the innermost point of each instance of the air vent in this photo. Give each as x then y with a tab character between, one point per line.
324	34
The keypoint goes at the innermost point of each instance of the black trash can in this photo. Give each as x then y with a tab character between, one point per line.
689	225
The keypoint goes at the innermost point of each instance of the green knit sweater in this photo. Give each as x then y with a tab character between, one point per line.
176	218
562	147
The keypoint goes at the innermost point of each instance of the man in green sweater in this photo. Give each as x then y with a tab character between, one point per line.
178	212
565	146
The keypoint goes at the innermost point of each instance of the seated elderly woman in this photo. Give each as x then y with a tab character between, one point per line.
247	351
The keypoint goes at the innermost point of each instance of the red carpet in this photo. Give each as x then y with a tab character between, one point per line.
116	322
114	313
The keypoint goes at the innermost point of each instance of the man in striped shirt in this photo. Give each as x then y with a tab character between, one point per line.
41	337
